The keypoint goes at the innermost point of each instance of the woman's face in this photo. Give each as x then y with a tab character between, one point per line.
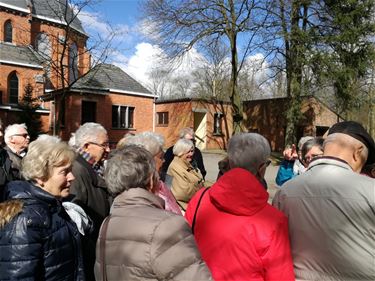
314	152
159	160
59	182
188	156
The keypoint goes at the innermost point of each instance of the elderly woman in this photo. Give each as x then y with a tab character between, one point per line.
153	143
186	180
38	240
151	244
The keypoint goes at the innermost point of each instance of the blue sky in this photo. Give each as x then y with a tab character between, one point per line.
134	52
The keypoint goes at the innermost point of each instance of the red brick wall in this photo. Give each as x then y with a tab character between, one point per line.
21	27
181	114
142	114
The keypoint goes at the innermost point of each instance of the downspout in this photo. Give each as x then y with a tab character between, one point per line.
153	114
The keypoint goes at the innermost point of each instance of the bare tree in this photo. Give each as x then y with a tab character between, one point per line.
180	25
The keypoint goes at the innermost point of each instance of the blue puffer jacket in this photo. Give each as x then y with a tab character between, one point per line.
40	242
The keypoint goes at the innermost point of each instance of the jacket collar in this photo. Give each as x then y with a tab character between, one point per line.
138	197
329	160
238	192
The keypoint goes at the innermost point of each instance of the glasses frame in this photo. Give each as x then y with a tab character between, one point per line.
104	146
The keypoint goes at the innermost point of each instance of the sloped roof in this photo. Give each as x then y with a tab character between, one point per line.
108	77
19	55
49	10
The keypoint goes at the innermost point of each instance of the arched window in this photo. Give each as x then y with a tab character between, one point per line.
8	31
13	88
73	63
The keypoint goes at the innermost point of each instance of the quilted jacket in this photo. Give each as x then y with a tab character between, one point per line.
145	242
38	240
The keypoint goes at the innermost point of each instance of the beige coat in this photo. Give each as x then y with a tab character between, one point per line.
145	242
186	181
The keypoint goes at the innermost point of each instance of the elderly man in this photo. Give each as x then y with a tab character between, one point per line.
197	161
241	236
331	209
89	189
5	163
17	140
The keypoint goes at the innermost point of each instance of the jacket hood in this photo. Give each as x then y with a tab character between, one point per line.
238	192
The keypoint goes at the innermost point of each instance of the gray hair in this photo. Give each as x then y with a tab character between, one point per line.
129	167
11	130
182	146
248	151
151	141
310	144
87	132
186	131
49	138
43	156
302	141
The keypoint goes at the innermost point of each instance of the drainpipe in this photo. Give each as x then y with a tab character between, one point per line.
153	114
54	116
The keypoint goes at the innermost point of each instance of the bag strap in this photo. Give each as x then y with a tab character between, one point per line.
103	235
196	209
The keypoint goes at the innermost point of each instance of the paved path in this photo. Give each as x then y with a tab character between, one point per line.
212	158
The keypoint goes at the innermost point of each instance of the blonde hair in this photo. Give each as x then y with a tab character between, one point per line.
43	156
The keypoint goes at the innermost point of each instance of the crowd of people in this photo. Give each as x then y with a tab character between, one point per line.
78	210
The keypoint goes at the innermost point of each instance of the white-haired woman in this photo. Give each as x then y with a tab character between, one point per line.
186	179
38	240
140	240
153	143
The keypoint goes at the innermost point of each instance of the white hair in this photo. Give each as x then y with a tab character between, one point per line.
87	132
151	141
48	138
12	130
186	131
182	146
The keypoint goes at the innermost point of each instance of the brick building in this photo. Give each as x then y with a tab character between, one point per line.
267	117
210	119
43	44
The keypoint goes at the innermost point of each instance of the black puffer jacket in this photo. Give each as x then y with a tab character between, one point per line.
39	241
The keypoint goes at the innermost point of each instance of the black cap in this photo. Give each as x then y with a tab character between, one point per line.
357	131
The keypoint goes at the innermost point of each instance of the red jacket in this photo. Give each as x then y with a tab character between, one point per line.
240	236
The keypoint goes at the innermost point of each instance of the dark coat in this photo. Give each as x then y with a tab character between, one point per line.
5	172
40	241
196	162
89	191
15	164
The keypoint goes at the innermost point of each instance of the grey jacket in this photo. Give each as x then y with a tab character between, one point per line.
331	212
145	242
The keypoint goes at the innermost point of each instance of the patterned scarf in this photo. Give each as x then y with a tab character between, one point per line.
97	166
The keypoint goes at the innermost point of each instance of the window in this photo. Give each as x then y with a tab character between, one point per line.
88	112
217	123
13	88
122	117
8	31
73	63
162	118
43	45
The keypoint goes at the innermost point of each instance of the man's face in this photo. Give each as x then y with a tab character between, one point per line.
98	149
20	140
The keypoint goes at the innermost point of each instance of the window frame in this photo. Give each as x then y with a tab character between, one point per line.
217	124
164	115
12	90
128	118
8	33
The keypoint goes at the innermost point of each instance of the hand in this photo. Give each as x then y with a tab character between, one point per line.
290	153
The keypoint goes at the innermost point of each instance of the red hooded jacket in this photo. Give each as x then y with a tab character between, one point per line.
240	236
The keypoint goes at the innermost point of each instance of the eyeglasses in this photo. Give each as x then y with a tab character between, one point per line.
267	163
103	145
25	135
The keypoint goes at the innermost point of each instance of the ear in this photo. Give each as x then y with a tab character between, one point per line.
357	154
40	182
